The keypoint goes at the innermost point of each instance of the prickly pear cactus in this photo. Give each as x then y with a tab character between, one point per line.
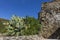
15	25
23	26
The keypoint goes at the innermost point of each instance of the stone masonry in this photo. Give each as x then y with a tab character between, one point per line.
31	37
49	17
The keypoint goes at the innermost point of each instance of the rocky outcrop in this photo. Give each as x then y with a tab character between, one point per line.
49	17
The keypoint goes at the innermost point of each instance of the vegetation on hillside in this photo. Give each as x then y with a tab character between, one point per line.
2	27
22	26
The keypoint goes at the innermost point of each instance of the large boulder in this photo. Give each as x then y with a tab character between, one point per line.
49	17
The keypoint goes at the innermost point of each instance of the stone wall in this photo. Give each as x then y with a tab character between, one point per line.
31	37
49	18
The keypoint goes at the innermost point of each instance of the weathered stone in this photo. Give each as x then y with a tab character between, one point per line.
31	37
50	18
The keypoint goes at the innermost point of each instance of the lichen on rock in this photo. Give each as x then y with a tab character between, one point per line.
48	18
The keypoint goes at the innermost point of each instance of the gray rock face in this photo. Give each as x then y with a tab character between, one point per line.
50	18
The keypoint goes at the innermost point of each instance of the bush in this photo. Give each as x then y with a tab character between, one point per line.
23	26
33	26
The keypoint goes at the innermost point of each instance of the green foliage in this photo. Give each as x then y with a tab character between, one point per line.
33	26
16	24
2	27
23	26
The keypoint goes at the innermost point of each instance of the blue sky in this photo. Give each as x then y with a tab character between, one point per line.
20	8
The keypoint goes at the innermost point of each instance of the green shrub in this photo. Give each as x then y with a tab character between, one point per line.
33	26
23	26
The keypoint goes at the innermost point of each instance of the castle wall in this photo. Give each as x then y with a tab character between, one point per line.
50	18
